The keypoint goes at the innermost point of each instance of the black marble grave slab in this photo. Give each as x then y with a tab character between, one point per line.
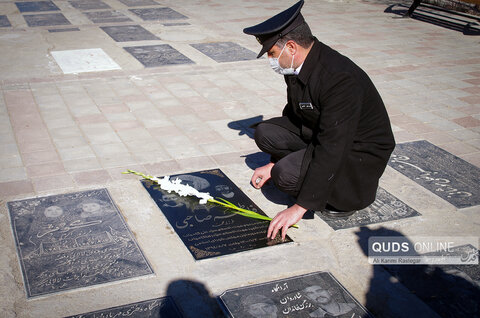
89	4
208	230
138	3
157	55
154	308
63	30
225	51
4	22
36	6
46	19
107	17
386	207
317	294
125	33
451	178
157	14
449	290
73	240
175	24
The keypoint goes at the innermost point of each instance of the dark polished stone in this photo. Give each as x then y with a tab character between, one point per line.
209	230
73	240
449	290
89	4
176	24
126	33
317	294
386	207
225	51
36	6
154	308
157	14
138	3
63	30
451	178
4	22
107	17
157	55
46	19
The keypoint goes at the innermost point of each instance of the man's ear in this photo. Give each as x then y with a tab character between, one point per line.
292	47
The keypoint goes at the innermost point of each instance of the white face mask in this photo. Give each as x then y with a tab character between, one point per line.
275	65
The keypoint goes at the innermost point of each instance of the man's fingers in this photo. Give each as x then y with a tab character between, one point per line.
284	231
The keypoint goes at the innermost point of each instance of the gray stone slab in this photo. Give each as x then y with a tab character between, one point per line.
225	51
4	22
36	6
386	207
176	24
157	55
449	290
158	14
89	4
164	307
73	240
63	30
107	17
451	178
316	294
209	230
138	3
126	33
47	19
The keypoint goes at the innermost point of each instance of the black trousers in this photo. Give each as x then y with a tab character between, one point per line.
286	150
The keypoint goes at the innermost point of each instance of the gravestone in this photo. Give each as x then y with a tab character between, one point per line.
89	4
107	17
138	3
316	294
4	22
440	172
125	33
73	240
36	6
157	55
449	290
47	19
63	30
209	230
386	207
225	51
154	308
158	14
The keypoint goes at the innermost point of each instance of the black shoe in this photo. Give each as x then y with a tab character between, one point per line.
337	214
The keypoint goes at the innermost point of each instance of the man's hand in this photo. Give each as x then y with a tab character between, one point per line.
284	220
261	175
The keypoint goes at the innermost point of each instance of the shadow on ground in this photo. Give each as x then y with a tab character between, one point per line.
451	20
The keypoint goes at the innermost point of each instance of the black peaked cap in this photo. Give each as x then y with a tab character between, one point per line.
269	31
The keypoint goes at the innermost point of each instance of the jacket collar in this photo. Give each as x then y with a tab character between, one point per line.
310	62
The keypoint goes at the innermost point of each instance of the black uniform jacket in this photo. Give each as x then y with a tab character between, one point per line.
335	107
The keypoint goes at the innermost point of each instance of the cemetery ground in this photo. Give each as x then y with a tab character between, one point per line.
92	88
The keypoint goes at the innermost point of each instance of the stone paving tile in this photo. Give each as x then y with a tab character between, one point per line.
32	158
45	169
15	188
76	152
56	182
94	177
82	164
100	133
13	174
163	168
467	122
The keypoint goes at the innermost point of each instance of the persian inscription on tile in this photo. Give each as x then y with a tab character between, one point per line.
451	178
46	19
154	308
225	51
157	14
4	22
311	295
73	240
89	4
449	290
386	207
107	17
125	33
157	55
208	230
36	6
